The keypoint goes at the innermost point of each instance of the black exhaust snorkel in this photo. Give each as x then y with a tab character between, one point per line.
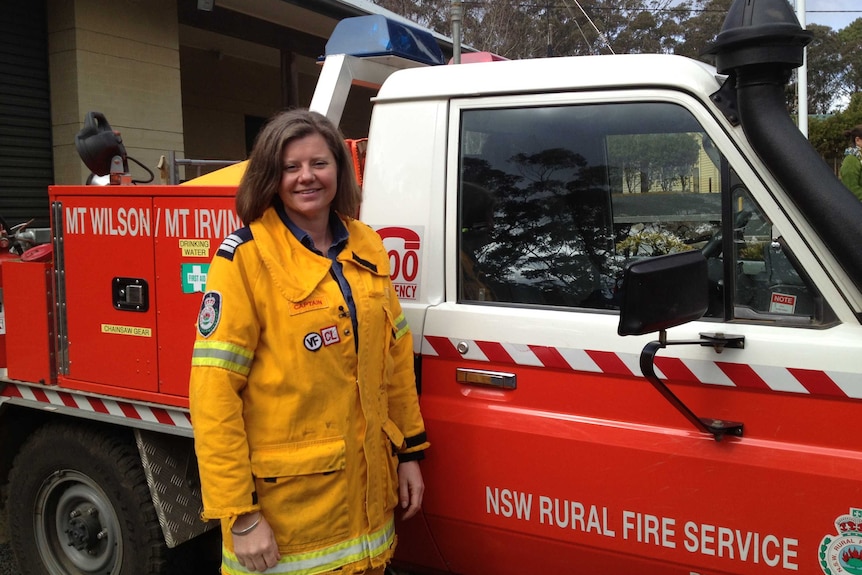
760	44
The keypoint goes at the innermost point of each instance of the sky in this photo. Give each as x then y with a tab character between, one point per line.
836	14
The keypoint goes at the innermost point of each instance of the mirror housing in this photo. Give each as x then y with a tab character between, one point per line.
663	292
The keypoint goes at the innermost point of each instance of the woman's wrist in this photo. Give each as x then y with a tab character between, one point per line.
245	524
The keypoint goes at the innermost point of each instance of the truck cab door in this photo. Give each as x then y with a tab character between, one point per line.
557	454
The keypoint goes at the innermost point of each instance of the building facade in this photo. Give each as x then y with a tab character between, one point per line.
192	77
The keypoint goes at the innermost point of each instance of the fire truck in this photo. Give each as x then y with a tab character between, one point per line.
635	293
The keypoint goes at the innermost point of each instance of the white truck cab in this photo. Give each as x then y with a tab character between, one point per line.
513	196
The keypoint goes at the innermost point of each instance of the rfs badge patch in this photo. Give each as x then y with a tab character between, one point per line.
210	313
842	554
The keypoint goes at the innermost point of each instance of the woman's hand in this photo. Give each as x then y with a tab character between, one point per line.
411	488
257	549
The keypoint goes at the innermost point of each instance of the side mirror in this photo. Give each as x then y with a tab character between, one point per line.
662	292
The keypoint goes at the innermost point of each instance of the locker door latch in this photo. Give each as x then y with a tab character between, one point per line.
131	294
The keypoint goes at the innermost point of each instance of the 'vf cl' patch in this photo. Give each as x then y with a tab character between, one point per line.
210	313
330	335
327	336
312	341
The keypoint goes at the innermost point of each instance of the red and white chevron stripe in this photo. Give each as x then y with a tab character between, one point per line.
737	375
98	405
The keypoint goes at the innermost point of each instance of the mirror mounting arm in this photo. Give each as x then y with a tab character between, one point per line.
717	427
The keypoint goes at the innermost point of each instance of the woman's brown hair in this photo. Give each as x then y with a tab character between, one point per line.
853	133
261	182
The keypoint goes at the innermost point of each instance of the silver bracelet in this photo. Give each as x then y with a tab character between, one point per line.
248	529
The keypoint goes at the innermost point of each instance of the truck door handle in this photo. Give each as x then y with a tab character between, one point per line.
489	378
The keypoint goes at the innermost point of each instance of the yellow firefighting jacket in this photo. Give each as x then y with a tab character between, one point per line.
289	418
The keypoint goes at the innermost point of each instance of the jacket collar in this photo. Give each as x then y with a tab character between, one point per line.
296	270
339	231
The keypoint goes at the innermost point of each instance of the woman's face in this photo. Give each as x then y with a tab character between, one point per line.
309	179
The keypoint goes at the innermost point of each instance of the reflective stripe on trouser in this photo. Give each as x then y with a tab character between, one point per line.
322	560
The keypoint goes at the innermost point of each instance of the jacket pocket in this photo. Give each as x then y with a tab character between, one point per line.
302	490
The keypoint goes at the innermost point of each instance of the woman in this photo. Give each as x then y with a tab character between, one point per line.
307	424
851	168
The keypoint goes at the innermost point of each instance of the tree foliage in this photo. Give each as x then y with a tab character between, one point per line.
824	70
649	160
827	134
850	50
701	27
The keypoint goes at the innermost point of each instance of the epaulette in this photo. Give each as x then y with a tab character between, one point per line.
233	241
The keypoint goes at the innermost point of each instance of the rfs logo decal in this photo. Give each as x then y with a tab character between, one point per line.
210	313
842	553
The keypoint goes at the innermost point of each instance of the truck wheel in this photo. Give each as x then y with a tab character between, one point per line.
79	505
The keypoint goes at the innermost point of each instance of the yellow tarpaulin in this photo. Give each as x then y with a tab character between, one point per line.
227	176
231	175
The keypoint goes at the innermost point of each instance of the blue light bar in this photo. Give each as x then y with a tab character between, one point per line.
375	35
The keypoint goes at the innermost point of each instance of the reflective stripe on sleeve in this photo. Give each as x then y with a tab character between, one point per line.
222	354
401	327
322	560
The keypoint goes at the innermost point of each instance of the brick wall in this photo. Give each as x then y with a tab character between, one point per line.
121	58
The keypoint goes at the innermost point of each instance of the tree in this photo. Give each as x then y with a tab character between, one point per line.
827	135
433	14
649	160
824	72
539	28
702	28
507	28
850	49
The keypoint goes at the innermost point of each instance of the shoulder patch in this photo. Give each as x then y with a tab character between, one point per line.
210	313
232	242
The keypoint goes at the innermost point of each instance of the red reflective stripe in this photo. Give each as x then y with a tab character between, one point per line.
495	352
10	390
162	416
550	357
609	362
674	369
443	347
816	382
129	410
67	399
742	376
98	405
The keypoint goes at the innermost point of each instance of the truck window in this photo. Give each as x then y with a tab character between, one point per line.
554	201
768	284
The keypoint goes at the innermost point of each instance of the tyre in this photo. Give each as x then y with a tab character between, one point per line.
79	505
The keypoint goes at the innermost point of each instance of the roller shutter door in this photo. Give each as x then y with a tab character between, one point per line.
26	163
